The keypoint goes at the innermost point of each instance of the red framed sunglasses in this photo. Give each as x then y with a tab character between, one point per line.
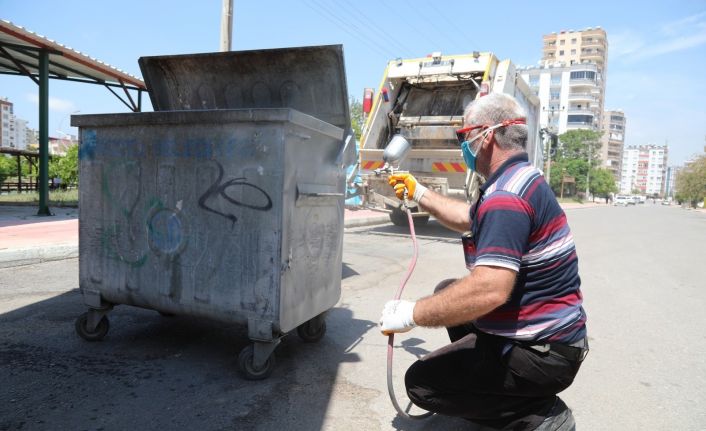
462	133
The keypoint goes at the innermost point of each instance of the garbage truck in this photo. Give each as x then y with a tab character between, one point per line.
423	100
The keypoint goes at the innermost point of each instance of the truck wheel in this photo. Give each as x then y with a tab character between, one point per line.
399	218
421	221
245	365
312	330
95	335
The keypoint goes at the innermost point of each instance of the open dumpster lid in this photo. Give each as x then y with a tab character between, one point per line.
309	79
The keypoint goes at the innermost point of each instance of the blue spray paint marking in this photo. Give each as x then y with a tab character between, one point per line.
165	231
87	148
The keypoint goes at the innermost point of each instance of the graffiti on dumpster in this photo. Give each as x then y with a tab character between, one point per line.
222	189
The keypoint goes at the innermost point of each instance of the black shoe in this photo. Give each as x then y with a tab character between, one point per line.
558	419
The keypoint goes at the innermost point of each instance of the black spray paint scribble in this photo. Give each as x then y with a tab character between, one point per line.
217	189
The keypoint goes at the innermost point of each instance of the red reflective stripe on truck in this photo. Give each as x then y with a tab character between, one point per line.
438	167
459	167
448	167
371	164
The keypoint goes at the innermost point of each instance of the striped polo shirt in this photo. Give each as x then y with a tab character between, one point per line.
518	224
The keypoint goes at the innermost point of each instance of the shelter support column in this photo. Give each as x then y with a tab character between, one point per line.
43	167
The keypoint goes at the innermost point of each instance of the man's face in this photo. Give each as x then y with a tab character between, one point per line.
475	137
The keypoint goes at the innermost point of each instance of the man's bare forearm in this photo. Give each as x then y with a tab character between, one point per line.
466	299
450	212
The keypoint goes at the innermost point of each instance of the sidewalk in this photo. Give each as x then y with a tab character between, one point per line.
26	238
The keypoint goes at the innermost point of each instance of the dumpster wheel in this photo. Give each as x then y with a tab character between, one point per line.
246	364
96	334
312	330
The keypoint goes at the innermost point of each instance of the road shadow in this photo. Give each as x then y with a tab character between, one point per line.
347	271
155	372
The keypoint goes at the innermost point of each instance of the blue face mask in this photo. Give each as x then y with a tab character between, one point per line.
469	156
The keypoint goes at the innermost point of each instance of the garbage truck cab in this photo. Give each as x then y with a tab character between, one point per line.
423	100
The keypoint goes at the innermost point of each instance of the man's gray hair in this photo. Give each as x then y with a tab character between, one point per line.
493	109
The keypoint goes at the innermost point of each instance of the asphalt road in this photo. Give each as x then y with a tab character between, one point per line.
643	279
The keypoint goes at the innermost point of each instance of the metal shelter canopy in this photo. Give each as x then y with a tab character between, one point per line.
25	53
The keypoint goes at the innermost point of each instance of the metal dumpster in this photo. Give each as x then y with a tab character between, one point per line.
229	214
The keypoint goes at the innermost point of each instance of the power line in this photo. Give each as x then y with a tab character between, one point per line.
344	26
423	28
459	28
367	22
442	28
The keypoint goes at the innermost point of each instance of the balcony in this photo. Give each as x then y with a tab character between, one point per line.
592	43
573	125
597	57
580	111
583	82
582	96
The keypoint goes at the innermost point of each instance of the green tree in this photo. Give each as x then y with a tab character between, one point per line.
578	144
602	182
66	167
691	182
356	111
6	167
578	151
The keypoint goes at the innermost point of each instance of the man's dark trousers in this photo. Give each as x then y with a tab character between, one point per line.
489	380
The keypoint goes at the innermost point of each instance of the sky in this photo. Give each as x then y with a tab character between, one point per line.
656	55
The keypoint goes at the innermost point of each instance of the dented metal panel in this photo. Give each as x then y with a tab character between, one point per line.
235	215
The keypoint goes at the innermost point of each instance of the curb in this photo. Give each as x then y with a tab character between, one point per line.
366	221
34	255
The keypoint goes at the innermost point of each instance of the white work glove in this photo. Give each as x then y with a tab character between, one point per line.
397	316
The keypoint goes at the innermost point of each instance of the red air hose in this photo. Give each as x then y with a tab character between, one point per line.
391	337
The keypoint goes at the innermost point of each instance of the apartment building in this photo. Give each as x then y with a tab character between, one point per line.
670	182
7	130
613	140
569	96
570	80
20	138
644	170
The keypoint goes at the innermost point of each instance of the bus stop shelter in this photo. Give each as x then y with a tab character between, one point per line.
25	53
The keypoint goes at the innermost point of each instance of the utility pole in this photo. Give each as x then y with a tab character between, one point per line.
588	171
550	132
226	25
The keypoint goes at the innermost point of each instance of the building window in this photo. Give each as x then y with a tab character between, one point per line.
584	74
580	119
555	94
562	42
534	80
561	52
573	41
556	80
573	52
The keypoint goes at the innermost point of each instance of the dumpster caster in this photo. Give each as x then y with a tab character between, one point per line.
246	364
312	330
95	333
